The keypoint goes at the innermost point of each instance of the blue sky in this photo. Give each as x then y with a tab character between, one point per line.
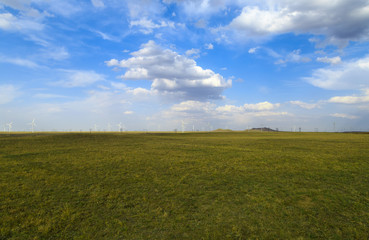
198	64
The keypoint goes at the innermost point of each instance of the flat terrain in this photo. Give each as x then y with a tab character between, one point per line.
232	185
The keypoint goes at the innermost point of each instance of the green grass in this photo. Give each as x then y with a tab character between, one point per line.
184	186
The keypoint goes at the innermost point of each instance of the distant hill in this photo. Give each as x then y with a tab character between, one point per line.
264	129
222	130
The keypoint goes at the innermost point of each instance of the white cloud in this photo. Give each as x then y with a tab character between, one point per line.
193	52
9	22
128	112
140	91
347	75
257	22
338	20
333	60
294	57
342	115
193	106
209	46
106	36
19	61
98	3
263	106
305	105
229	109
8	93
79	78
253	50
172	73
351	99
147	26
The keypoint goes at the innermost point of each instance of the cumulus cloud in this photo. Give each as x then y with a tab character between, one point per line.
347	75
263	106
257	107
8	93
79	78
193	106
351	99
333	60
140	91
337	20
172	73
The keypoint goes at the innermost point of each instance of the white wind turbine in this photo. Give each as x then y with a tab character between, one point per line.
95	127
9	126
33	125
209	127
120	126
183	126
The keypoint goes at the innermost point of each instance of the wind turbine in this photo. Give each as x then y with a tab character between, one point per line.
9	126
120	126
33	124
183	126
209	127
95	127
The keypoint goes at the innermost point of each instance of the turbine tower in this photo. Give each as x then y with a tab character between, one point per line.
209	127
33	125
9	126
183	126
120	126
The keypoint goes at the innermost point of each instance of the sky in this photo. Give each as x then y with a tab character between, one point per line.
161	65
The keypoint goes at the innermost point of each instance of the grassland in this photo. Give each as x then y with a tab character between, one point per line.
184	186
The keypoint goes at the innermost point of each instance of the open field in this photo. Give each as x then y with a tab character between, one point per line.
235	185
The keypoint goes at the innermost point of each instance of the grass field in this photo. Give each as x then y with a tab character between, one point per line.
236	185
